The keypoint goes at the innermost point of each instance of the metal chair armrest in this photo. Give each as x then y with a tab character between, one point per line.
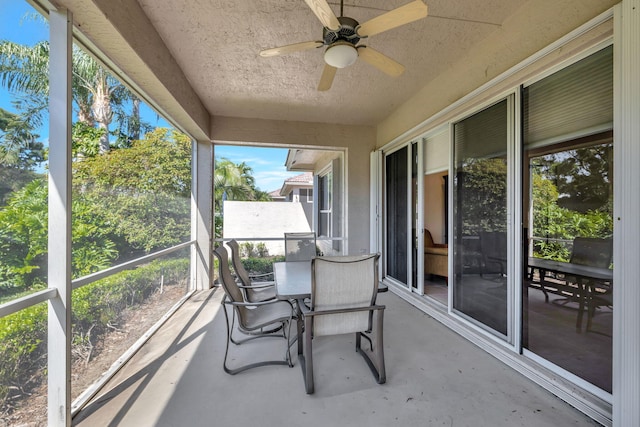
254	304
302	306
257	286
260	275
309	312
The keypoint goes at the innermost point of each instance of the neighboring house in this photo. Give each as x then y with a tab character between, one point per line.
298	188
327	210
276	196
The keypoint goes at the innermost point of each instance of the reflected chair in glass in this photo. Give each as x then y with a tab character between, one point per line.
597	299
253	317
343	301
254	291
592	252
300	246
493	247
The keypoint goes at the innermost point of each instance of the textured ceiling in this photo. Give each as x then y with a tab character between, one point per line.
216	43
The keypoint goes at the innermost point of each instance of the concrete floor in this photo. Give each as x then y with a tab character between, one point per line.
434	378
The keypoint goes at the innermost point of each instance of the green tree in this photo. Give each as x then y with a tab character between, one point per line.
142	194
553	222
23	239
482	195
19	147
582	176
20	153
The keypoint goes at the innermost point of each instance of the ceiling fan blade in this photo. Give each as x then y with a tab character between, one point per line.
326	79
403	15
380	61
290	48
324	13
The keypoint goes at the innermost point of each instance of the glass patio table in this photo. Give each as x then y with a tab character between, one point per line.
293	280
588	277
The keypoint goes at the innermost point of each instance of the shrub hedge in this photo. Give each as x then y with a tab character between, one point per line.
260	265
23	334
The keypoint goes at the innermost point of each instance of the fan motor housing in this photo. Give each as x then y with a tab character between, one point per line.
346	32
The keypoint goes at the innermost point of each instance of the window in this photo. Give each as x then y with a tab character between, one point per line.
325	193
306	195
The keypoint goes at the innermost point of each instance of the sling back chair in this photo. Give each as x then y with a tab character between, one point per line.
254	291
300	246
343	296
253	317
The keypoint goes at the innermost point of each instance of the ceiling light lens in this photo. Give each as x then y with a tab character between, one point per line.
341	55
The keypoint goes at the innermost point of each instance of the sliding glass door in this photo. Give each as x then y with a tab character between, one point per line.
481	288
523	213
397	214
568	195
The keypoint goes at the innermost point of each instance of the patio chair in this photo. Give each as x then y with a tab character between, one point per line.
253	291
253	317
300	246
343	295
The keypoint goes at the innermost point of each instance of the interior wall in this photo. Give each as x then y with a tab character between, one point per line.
356	141
434	214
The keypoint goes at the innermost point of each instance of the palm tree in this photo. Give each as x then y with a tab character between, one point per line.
19	147
96	93
233	182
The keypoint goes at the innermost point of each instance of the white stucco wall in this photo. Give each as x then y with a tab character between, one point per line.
244	220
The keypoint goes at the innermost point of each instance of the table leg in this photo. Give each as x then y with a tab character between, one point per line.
581	300
299	325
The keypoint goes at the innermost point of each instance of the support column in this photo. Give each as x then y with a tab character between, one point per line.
59	247
202	214
626	271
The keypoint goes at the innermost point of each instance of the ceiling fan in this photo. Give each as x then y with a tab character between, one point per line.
342	34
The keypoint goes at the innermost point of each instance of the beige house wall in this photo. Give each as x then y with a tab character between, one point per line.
532	28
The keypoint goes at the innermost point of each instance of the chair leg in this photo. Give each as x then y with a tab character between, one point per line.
382	372
306	358
591	311
379	372
368	338
252	335
234	371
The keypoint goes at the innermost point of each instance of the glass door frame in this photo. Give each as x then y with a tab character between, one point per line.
512	339
408	213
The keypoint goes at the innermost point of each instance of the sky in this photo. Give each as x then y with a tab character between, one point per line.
16	28
267	163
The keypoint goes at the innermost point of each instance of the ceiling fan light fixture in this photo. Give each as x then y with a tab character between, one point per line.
341	55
